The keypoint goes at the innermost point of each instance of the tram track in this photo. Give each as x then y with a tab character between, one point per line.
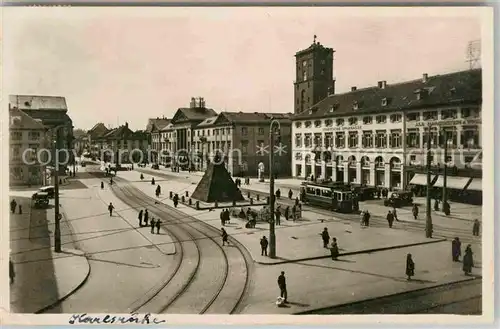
207	277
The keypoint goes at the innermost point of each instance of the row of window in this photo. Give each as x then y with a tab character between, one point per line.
469	137
18	135
465	113
216	132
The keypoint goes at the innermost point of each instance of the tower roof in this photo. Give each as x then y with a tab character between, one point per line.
315	46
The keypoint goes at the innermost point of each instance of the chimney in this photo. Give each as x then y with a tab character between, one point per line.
425	77
193	103
126	124
382	84
353	88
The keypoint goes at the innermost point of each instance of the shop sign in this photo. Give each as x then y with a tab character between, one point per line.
448	123
341	128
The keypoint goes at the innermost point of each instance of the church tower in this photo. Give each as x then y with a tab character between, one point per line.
314	76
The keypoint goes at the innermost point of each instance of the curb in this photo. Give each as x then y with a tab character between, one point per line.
312	312
61	299
366	251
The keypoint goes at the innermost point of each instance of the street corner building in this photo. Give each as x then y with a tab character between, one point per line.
377	135
38	123
196	134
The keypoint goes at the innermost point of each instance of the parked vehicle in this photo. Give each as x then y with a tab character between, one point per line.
40	199
50	190
155	166
399	199
365	192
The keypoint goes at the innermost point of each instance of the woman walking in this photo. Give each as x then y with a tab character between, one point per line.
410	267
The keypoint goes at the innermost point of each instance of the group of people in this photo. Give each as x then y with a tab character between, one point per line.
225	217
246	181
334	248
144	219
14	205
456	252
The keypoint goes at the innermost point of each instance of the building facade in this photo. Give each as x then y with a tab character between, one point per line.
52	113
314	76
95	140
377	135
243	138
157	142
124	144
27	161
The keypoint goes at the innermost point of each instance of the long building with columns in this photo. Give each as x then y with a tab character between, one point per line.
377	135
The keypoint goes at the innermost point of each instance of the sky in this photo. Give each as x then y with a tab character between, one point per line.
117	65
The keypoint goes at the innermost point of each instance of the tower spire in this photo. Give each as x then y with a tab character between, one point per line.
314	40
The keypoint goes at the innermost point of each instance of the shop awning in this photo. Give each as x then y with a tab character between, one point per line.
476	185
420	179
457	183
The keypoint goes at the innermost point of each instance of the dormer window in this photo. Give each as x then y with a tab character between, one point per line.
355	106
453	91
420	93
384	101
334	107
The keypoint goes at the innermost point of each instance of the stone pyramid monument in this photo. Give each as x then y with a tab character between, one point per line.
217	185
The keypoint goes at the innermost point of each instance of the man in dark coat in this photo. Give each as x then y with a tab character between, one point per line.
278	216
282	286
176	200
287	212
153	224
325	237
263	246
294	213
290	194
222	218
13	205
12	274
158	225
334	249
102	185
225	237
110	208
140	217
468	261
227	216
475	227
415	211
456	249
278	193
146	217
366	218
390	218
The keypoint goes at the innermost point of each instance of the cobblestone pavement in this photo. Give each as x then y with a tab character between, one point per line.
42	276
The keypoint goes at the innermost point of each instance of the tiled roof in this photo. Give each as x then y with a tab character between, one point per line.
20	120
158	122
49	118
125	133
255	117
33	102
197	113
208	121
446	89
98	130
314	46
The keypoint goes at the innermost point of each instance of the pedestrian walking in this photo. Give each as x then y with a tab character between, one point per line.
334	249
436	205
294	213
142	176
153	223
140	217
278	216
287	212
222	218
415	211
20	209
224	237
325	237
282	286
410	267
395	214
468	261
12	273
263	246
176	200
152	181
456	249
146	217
13	205
111	181
290	194
227	216
158	225
110	208
367	218
390	218
475	227
278	193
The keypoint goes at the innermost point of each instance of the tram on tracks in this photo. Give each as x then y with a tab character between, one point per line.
333	196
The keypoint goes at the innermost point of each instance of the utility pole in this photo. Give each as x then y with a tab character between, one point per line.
57	229
272	198
445	170
428	219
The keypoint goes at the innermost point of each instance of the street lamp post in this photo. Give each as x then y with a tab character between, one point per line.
57	219
272	199
447	143
428	218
